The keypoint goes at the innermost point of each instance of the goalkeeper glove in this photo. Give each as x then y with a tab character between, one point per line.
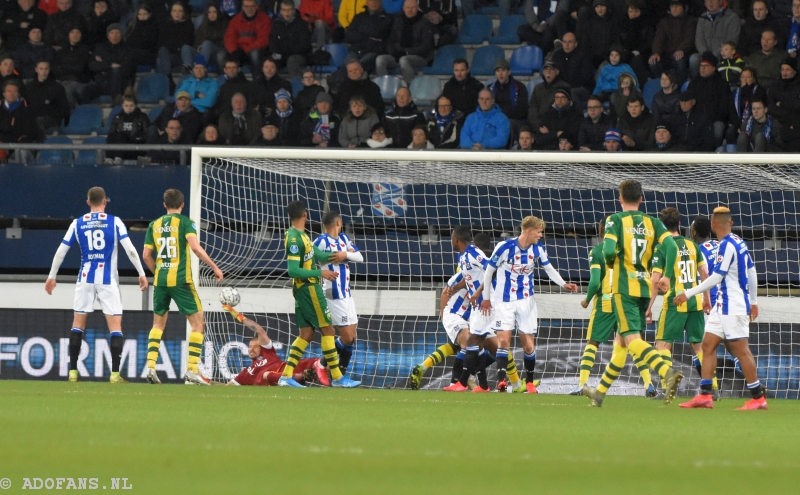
236	315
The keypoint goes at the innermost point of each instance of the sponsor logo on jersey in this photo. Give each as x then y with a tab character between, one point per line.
294	249
640	229
165	228
683	252
521	269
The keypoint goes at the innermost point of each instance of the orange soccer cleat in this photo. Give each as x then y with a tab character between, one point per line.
701	401
457	387
322	374
754	404
480	390
530	388
502	385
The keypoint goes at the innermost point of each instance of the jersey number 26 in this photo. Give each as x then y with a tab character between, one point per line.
169	245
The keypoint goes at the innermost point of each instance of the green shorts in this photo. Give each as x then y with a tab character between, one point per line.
185	297
671	324
630	312
310	307
601	327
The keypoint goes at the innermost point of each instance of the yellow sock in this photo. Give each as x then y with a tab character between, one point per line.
293	357
714	382
644	351
644	371
613	368
587	362
666	355
438	356
195	351
511	370
153	344
331	355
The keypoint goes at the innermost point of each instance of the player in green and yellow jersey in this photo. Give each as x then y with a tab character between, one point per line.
311	308
689	263
603	323
173	237
628	245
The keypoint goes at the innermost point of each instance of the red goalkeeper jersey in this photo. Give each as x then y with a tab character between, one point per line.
268	360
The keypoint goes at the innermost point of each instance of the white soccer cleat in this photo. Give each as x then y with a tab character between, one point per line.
192	378
152	377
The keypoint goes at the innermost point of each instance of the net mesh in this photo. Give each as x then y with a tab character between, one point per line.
400	214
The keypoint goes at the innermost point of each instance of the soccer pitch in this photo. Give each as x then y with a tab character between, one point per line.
191	440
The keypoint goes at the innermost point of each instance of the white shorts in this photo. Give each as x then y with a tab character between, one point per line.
480	324
521	312
108	295
343	312
453	324
728	327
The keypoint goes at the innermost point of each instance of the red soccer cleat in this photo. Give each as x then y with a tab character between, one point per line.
702	401
754	404
322	374
502	385
479	390
456	387
530	388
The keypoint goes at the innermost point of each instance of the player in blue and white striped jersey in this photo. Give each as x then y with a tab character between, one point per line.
337	292
97	234
736	306
511	294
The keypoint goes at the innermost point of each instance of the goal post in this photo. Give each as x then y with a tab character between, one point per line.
400	206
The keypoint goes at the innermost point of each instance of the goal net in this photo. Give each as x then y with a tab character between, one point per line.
400	207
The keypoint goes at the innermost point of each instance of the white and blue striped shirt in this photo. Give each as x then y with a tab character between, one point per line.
457	304
97	235
340	288
515	266
732	262
709	249
472	268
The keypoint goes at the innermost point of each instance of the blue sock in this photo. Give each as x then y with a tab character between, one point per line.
755	389
530	365
705	386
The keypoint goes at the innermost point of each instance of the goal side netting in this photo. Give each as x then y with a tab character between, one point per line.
400	207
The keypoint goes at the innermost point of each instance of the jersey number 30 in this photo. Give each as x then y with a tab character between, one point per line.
687	272
169	245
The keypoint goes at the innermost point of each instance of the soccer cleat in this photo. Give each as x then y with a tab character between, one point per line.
754	405
345	382
530	387
322	374
117	379
457	387
593	395
502	385
415	380
73	376
152	377
670	384
192	378
650	392
715	395
577	390
519	387
472	382
286	381
701	401
480	390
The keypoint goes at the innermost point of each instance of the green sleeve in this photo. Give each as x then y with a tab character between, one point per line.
659	259
319	255
596	262
296	272
189	227
672	251
613	231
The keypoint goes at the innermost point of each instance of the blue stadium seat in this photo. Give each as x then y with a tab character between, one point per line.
338	53
475	30
152	88
85	119
297	86
425	89
89	157
507	31
650	89
389	86
684	86
56	157
392	6
532	84
484	59
444	58
103	130
199	19
526	60
153	113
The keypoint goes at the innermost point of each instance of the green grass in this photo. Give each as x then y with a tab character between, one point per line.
192	440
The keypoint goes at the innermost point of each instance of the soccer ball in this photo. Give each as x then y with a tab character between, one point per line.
229	296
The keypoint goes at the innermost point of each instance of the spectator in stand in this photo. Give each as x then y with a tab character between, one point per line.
754	26
290	40
793	43
71	66
378	138
209	38
693	128
525	140
636	36
356	127
576	70
8	73
202	88
234	82
767	61
613	141
469	7
411	44
637	125
267	85
509	94
162	9
419	138
487	127
749	89
320	128
348	9
182	109
608	77
47	100
307	97
241	125
598	31
110	76
358	84
270	136
443	14
716	26
128	127
98	21
462	89
666	102
538	29
674	42
248	34
626	89
543	94
663	142
562	119
173	35
173	134
445	124
784	104
210	136
368	34
17	124
759	132
731	64
142	32
401	118
59	24
592	130
285	119
19	22
26	56
319	16
713	94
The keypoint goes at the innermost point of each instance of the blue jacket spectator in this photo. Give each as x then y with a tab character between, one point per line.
607	79
487	127
203	89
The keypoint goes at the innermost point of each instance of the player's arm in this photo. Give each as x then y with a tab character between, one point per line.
455	284
752	288
655	278
263	339
610	240
702	272
147	257
324	257
130	250
198	251
715	278
552	273
61	252
443	302
670	251
595	282
353	254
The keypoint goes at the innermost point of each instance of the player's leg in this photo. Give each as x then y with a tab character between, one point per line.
711	340
189	305
308	315
111	302
344	345
343	313
488	357
527	320
83	304
610	374
737	333
460	346
667	331
316	312
453	326
644	372
471	364
162	297
331	356
695	327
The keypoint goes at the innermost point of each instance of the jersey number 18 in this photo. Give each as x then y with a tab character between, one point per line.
96	240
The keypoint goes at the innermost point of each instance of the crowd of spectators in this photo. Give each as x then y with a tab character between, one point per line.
726	73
